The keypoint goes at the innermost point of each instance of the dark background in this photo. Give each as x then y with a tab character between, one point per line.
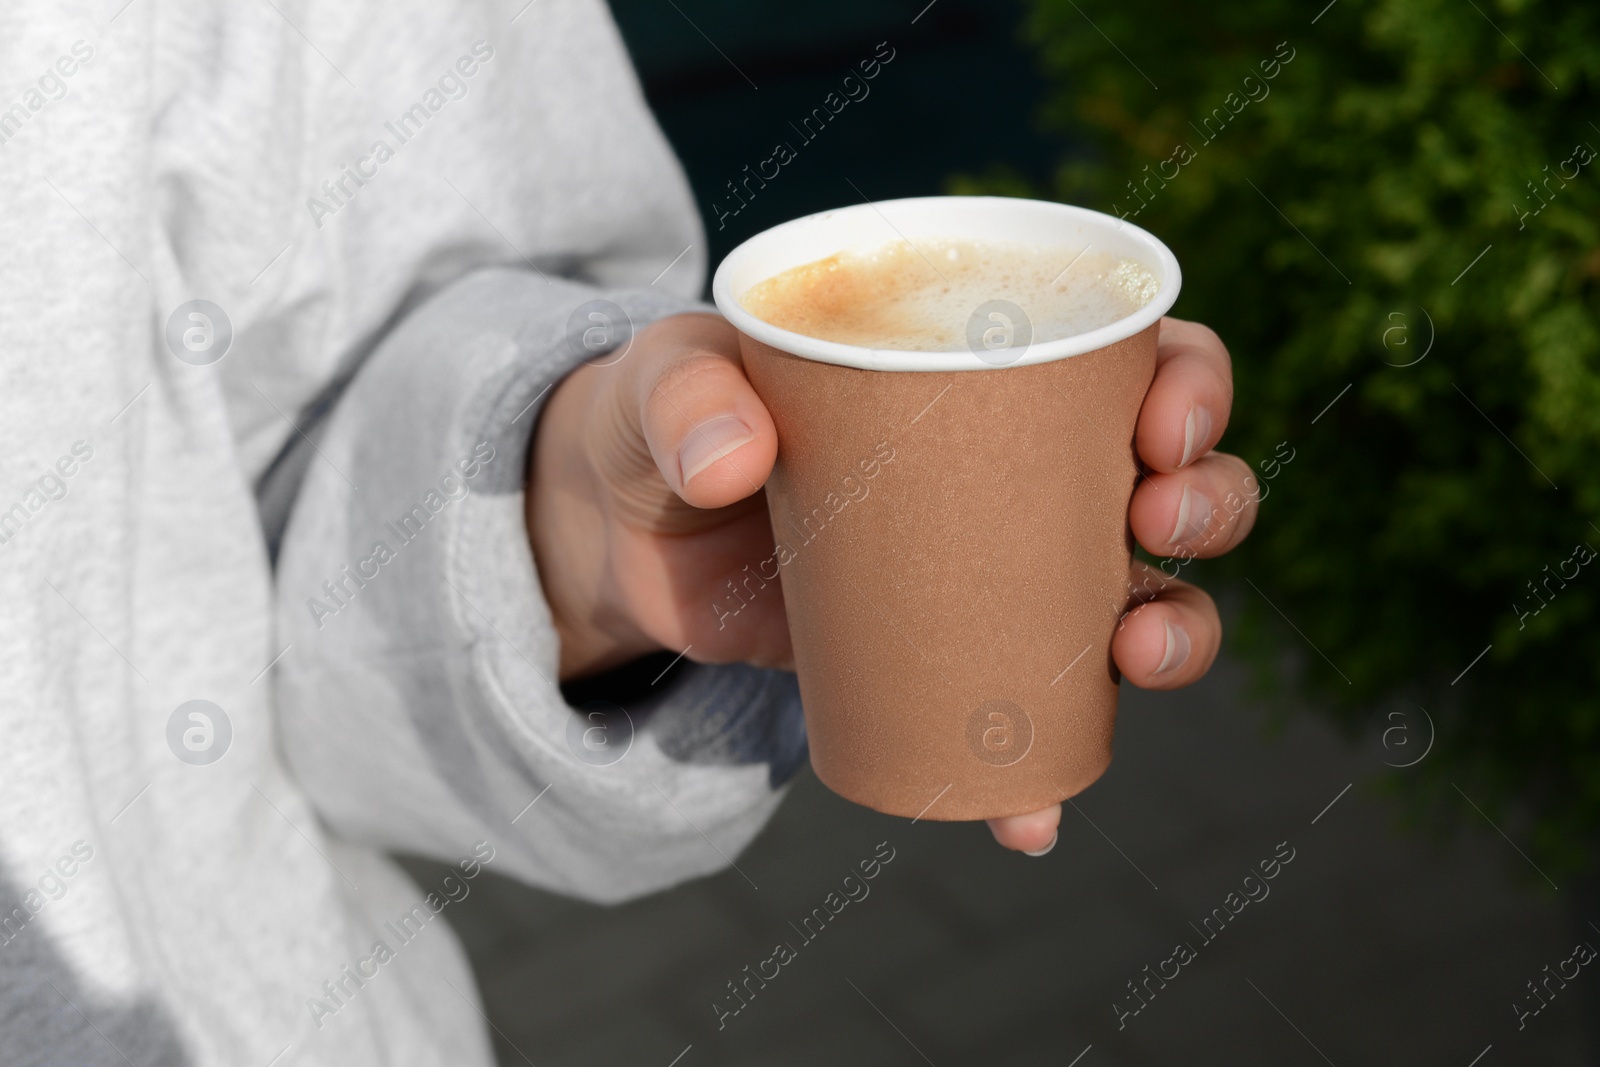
1375	945
958	96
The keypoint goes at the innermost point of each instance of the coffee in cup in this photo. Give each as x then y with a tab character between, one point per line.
921	297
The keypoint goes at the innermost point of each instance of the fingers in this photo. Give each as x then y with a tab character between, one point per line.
1170	639
1195	503
707	431
1201	511
1189	401
1034	833
1167	641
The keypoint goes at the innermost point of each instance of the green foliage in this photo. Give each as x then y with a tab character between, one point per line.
1340	199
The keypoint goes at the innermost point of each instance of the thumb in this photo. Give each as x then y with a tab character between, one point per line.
709	434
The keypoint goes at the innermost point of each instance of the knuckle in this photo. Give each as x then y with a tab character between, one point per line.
1196	334
687	376
1205	335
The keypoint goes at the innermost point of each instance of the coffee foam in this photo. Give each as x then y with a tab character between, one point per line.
921	298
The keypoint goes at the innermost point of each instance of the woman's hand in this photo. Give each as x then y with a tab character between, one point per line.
645	494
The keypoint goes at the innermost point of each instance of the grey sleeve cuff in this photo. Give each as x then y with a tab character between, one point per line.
418	699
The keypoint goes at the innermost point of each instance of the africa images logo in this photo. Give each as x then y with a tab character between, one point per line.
199	332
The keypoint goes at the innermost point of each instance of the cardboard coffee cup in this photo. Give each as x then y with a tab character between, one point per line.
951	527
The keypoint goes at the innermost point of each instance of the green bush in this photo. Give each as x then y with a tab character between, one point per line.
1331	218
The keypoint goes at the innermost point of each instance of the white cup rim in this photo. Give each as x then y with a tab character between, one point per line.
738	269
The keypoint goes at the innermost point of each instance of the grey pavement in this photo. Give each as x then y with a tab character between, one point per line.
1371	947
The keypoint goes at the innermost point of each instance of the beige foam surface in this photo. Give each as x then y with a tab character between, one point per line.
924	296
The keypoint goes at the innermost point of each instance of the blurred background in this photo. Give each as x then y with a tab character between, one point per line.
1390	212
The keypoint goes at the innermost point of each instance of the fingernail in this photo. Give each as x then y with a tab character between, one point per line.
709	442
1053	838
1194	514
1177	649
1196	428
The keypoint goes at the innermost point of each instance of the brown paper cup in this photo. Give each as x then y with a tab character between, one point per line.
951	533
